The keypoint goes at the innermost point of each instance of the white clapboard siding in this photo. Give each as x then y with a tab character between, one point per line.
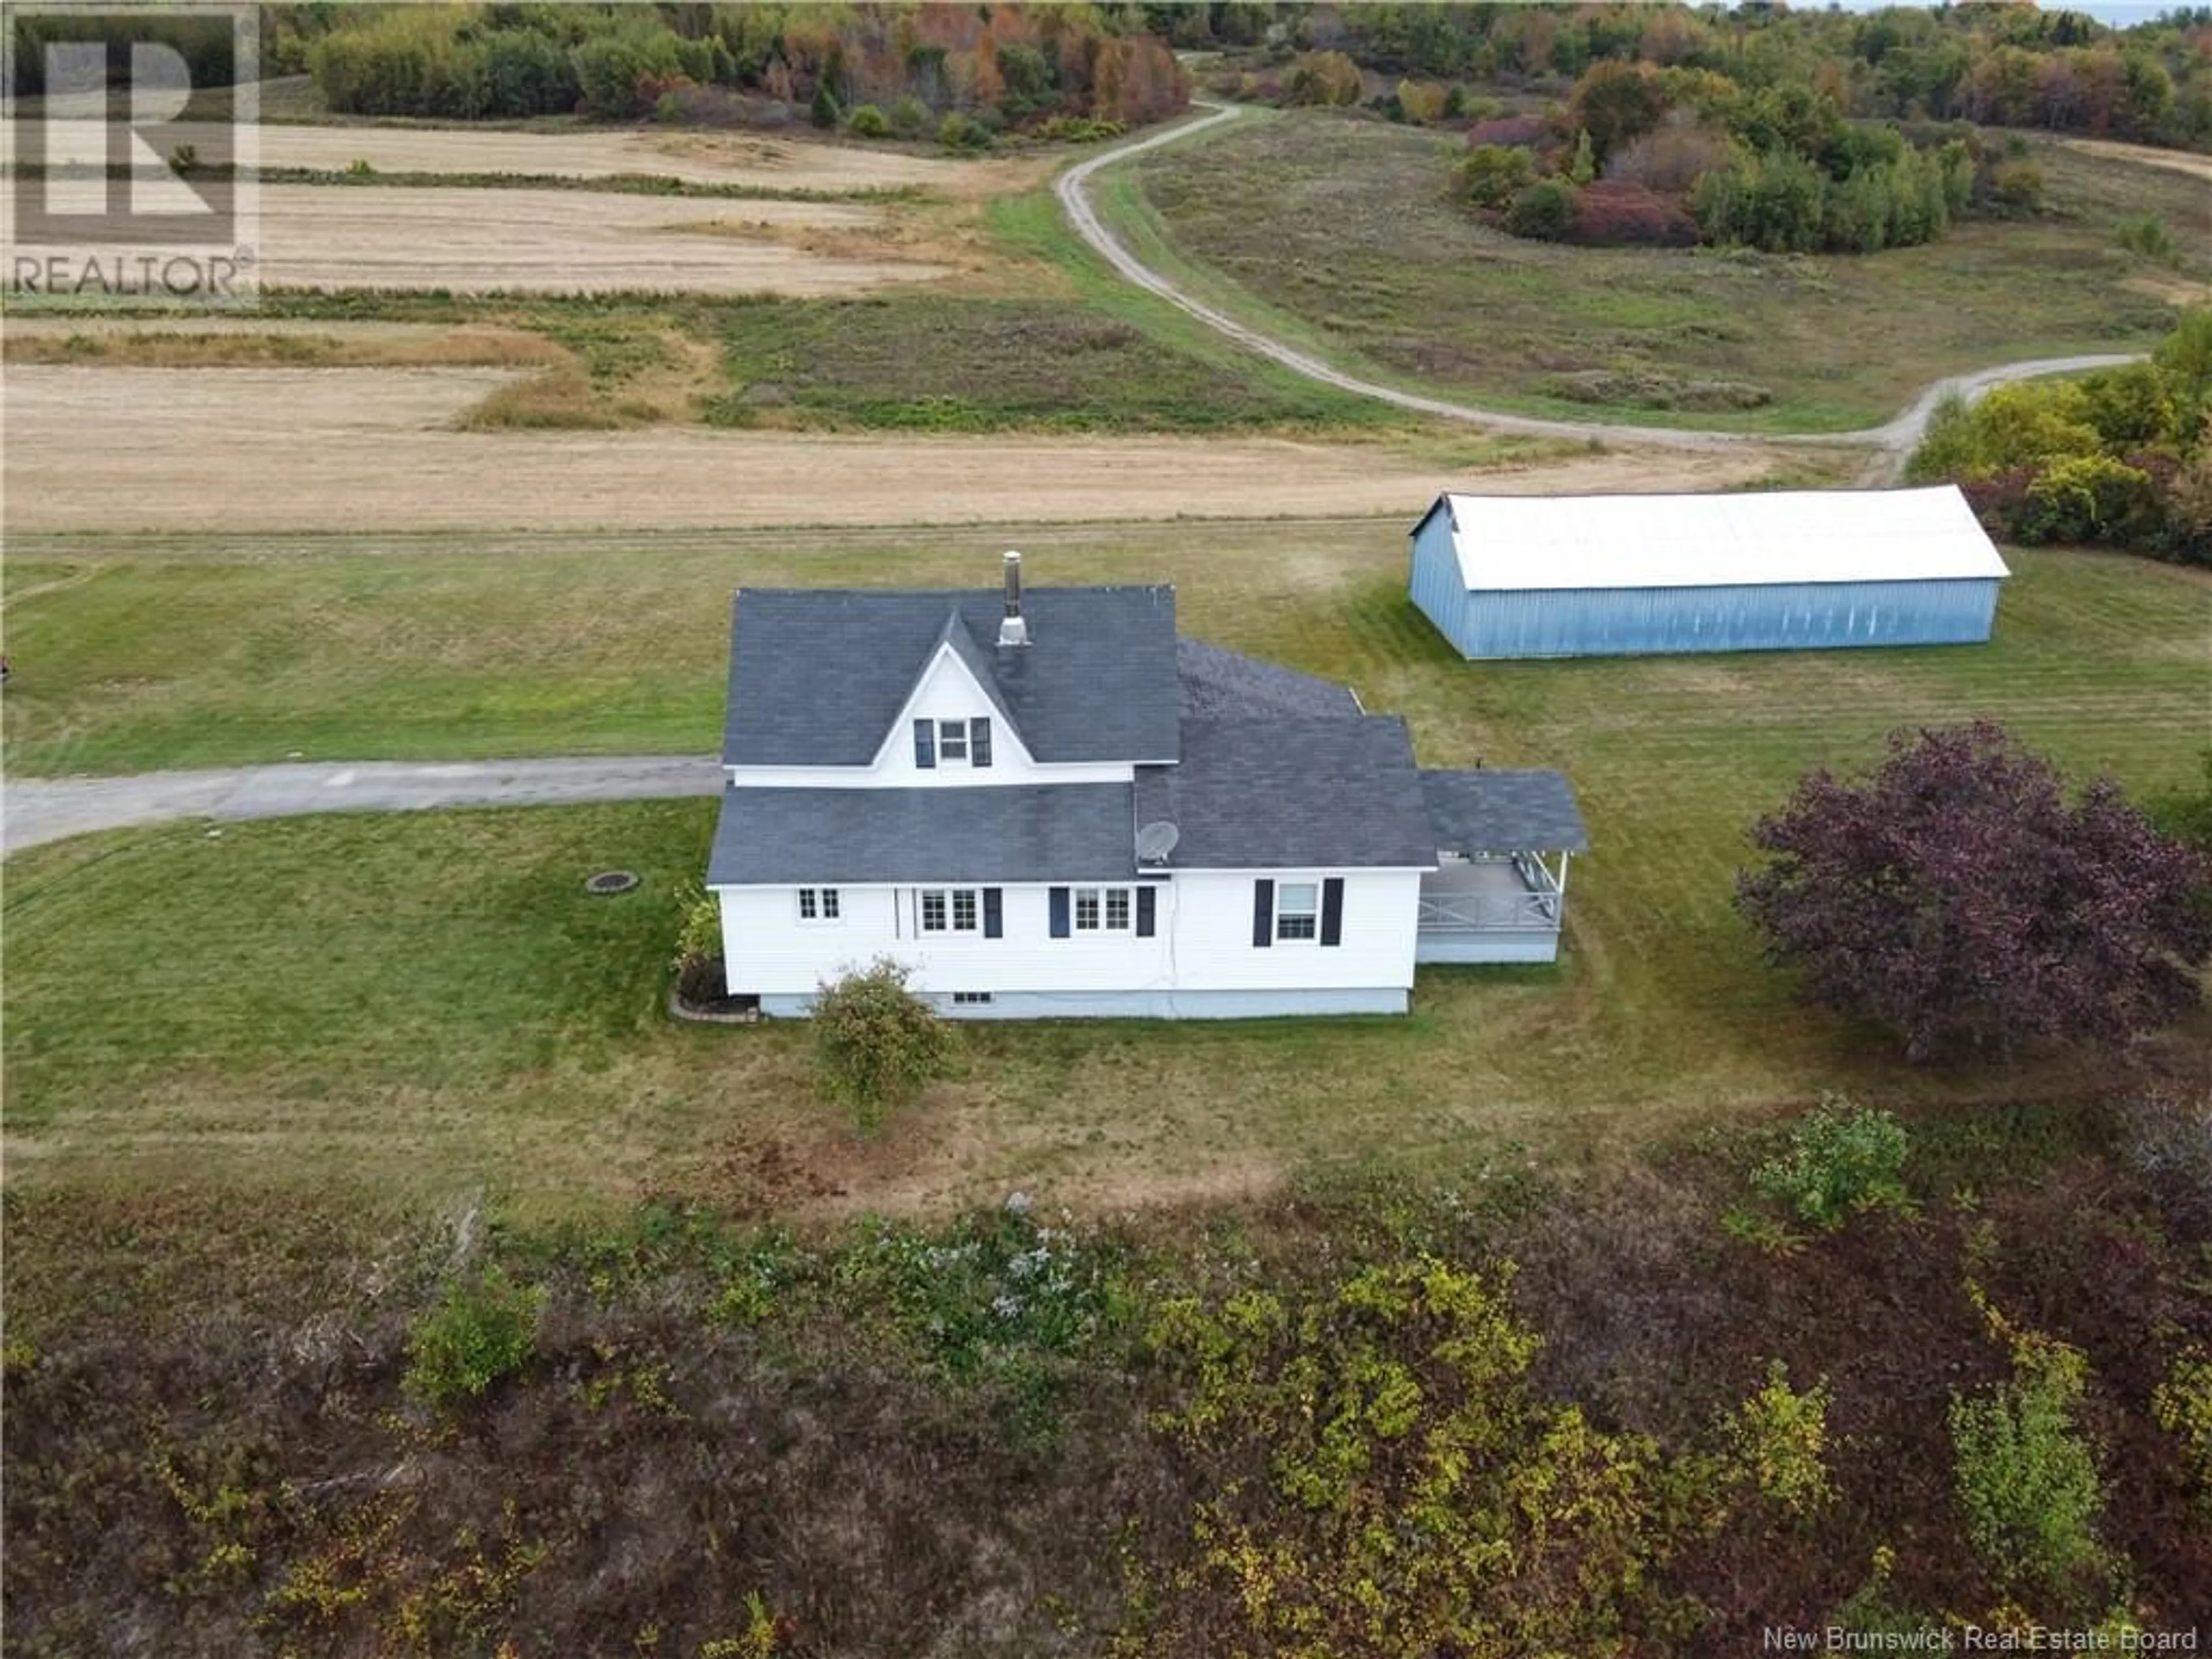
1204	940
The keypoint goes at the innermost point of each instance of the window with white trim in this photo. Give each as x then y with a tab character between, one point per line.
1297	910
970	999
952	743
817	904
1103	909
950	909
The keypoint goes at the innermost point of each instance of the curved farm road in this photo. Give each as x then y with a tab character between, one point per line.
1894	439
37	811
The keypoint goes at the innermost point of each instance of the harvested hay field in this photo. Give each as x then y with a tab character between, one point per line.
333	449
484	241
702	158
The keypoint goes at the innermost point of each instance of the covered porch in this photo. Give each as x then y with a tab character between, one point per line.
1505	841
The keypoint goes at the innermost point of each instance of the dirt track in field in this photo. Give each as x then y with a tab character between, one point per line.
2177	160
248	449
706	158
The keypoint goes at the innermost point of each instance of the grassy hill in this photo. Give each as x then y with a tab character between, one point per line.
1341	233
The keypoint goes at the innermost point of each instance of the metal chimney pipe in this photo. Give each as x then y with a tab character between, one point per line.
1013	629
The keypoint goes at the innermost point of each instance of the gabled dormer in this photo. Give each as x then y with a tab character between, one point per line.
1056	684
956	726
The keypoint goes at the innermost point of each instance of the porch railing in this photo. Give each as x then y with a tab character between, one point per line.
1479	914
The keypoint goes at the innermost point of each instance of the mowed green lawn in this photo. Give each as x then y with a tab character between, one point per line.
1342	234
424	1006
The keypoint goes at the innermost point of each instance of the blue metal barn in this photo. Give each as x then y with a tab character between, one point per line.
1632	575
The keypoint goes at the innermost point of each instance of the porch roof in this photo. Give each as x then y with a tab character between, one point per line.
1503	811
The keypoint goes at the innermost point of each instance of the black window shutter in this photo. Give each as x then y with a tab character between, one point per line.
1332	910
1146	911
978	742
994	913
1059	900
1263	912
925	743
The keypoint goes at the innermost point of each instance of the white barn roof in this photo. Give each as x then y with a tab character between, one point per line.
1519	543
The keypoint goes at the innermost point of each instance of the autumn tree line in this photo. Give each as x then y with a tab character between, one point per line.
1669	157
1999	64
962	73
2120	458
1786	131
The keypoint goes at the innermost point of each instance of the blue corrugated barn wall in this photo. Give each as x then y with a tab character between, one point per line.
1643	620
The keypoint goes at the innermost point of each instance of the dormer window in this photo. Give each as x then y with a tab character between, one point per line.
951	742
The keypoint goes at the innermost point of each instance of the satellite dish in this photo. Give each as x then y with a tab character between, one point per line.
1156	840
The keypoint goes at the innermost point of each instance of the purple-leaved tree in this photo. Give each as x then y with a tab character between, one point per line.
1955	894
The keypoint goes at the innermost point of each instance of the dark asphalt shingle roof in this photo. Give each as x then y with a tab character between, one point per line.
1289	791
1218	684
1504	811
1026	832
817	675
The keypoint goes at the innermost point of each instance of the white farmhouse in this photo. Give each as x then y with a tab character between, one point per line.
1047	804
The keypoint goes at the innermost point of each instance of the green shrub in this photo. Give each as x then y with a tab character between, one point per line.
876	1044
1778	202
1322	77
909	117
698	960
1582	170
2088	498
1493	174
761	1638
2027	1476
824	111
1542	211
1079	129
957	131
1841	1158
2017	186
868	122
2146	234
2182	1406
988	1296
482	1329
1779	1438
1873	1609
